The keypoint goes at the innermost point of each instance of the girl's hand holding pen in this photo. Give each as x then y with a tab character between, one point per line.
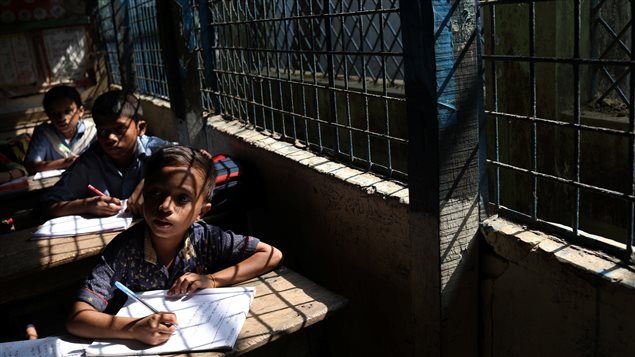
154	329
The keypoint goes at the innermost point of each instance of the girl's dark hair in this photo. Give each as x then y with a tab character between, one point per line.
61	92
114	104
184	156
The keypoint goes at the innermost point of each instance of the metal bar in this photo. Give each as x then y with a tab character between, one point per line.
532	106
623	133
116	33
311	16
614	85
381	36
494	85
576	115
631	157
537	59
364	87
573	183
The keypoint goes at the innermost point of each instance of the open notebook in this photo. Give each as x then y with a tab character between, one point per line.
74	225
208	319
46	174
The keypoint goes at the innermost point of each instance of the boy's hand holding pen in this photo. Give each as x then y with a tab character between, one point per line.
102	205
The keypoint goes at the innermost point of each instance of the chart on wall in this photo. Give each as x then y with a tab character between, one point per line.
17	61
65	50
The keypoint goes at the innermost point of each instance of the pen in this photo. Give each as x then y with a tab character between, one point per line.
130	293
65	148
92	188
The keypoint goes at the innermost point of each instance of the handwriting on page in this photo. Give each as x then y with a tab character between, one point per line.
210	319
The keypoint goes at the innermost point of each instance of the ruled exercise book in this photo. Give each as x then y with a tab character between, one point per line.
68	226
209	319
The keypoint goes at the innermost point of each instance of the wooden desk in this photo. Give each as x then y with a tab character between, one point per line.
27	199
285	302
21	257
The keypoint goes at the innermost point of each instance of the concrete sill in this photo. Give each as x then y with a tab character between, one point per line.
518	244
368	182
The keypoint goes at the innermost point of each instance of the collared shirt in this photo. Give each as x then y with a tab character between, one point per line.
95	167
130	258
42	149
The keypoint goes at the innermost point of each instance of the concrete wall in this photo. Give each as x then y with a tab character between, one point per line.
160	119
543	297
344	229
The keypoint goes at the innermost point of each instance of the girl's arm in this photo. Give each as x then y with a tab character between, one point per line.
85	321
263	260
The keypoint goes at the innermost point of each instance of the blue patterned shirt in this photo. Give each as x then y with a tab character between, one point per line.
131	259
95	167
42	149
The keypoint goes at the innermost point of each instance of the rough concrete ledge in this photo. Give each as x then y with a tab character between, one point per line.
518	244
366	181
159	102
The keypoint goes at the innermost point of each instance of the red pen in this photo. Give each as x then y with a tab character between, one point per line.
92	188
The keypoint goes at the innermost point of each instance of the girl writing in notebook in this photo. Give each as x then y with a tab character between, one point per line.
171	249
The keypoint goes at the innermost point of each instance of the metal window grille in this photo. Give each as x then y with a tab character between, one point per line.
108	36
149	73
326	75
610	30
139	17
554	159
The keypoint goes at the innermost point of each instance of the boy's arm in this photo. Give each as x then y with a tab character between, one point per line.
96	205
264	259
85	321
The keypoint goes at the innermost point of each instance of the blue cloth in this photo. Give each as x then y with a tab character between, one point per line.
131	259
95	167
41	148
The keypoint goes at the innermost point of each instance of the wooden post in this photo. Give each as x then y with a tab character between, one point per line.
176	30
442	91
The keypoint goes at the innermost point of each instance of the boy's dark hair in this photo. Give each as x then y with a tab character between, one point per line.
61	92
114	104
184	156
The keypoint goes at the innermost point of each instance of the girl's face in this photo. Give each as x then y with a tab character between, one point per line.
64	115
174	198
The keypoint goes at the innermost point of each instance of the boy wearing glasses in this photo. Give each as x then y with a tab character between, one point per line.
57	144
113	165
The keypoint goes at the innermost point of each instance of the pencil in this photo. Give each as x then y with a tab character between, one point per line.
92	188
